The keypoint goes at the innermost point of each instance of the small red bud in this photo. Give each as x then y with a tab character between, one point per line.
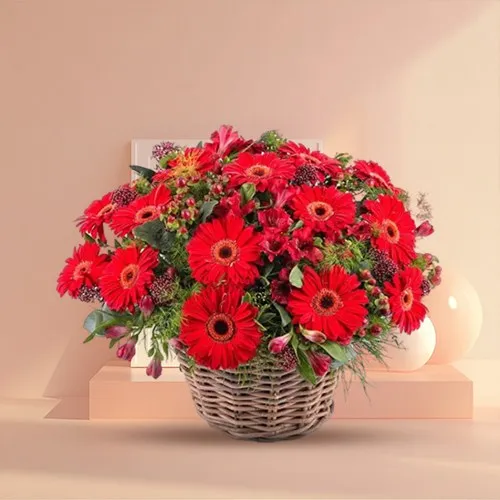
186	214
383	301
217	189
183	230
375	330
365	274
361	332
171	219
372	281
190	202
181	182
438	270
376	291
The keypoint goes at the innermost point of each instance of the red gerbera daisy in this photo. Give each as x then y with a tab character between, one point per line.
224	250
324	209
95	215
262	170
83	269
372	173
219	330
405	295
331	302
142	210
125	279
301	155
392	228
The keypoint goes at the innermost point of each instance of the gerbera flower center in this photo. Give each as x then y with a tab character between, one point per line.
407	299
146	214
320	210
220	327
129	275
225	252
106	210
258	171
326	302
391	231
82	269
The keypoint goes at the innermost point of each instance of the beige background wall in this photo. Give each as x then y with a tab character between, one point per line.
413	84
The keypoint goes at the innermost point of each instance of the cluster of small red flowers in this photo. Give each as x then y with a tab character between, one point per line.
256	216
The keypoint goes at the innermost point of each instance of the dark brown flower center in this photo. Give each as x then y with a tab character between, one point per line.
146	214
326	302
220	327
129	276
258	171
407	299
225	252
82	269
106	210
320	210
391	231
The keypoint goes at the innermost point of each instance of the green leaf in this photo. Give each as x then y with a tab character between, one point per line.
117	244
296	277
93	320
297	225
304	366
285	317
335	350
155	234
200	144
247	191
206	209
147	173
89	338
113	342
88	238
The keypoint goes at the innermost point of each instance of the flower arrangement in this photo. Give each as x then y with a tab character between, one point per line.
238	251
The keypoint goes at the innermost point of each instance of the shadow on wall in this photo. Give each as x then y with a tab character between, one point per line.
331	53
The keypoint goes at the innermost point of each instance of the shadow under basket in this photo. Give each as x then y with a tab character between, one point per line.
263	404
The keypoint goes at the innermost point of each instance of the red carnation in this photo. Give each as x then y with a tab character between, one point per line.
324	209
142	210
405	295
392	228
95	215
331	302
372	173
218	329
125	279
83	269
224	250
263	170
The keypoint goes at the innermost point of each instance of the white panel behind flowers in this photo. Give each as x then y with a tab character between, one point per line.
141	155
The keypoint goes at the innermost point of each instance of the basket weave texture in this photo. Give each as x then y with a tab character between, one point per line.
266	404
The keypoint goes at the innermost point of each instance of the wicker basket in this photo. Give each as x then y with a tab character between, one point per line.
266	405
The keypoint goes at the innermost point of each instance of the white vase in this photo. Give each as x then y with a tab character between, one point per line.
415	351
455	310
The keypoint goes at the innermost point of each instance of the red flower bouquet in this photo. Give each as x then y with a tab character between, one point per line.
239	254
